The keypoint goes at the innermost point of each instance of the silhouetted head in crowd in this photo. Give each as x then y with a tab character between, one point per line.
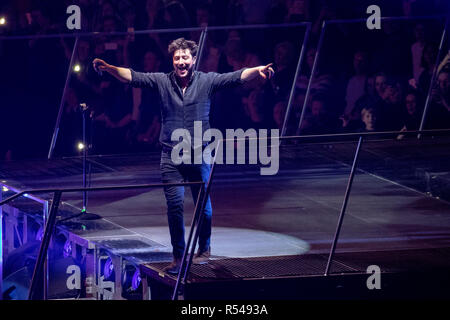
279	112
319	106
40	18
83	50
370	86
393	92
202	15
109	24
107	9
412	103
297	10
130	17
380	84
254	105
152	62
283	55
233	47
443	82
310	54
360	62
419	33
369	117
429	55
175	15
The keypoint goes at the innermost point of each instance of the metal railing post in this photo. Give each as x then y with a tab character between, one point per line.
1	244
48	231
313	70
433	79
194	226
344	206
61	104
297	73
45	270
184	273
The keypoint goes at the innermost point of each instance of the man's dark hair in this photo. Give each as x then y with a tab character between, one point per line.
183	44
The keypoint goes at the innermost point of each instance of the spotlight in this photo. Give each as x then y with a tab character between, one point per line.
80	146
2	21
77	68
131	278
5	189
108	270
131	282
62	245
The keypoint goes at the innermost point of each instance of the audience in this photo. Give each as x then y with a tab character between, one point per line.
384	86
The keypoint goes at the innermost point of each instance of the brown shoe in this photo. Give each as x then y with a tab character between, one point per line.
202	257
174	267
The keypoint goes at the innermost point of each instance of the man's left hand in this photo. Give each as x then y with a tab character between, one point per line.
266	72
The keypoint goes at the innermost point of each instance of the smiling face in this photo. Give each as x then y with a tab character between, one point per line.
183	63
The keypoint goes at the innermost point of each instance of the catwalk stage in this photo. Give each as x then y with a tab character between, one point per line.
271	236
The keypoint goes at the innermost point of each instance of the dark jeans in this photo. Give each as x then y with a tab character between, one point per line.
172	173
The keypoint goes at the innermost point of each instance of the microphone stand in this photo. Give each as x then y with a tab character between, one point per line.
86	145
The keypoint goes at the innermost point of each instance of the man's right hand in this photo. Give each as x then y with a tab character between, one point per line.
99	65
122	74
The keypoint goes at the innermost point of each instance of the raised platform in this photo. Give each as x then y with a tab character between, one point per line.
405	274
267	229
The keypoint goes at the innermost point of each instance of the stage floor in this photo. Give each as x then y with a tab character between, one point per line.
292	213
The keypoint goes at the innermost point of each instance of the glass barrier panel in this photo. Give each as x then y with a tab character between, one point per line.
370	80
33	77
398	215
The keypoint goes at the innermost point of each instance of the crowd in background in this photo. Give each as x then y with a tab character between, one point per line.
364	80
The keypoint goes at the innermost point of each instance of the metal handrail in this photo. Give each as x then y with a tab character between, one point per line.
51	220
137	32
105	188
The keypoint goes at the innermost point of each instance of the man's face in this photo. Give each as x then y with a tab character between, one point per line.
183	63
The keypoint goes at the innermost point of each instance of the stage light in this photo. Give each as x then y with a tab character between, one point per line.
2	21
5	189
77	68
131	282
108	270
62	245
80	146
136	281
131	278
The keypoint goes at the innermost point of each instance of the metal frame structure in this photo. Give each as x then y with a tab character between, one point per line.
320	44
50	223
199	208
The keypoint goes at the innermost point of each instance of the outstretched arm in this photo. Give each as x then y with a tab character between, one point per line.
264	72
122	74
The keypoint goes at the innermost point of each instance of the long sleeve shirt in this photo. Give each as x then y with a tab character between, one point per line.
178	110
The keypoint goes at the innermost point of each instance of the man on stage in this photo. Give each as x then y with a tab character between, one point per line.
186	97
